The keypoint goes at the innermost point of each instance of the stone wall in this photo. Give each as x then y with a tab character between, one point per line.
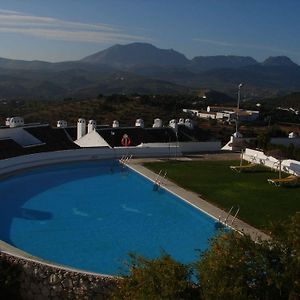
38	281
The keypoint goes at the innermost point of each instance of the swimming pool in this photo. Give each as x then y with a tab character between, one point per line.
90	215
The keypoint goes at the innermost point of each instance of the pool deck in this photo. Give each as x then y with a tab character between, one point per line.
195	199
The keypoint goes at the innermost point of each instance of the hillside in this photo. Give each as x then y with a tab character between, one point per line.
105	109
122	107
205	63
287	101
144	68
78	83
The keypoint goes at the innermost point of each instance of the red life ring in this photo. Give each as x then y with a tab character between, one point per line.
125	141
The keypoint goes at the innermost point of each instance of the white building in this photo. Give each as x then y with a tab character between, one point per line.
206	115
224	113
193	112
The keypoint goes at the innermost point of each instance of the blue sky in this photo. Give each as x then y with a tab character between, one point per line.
60	30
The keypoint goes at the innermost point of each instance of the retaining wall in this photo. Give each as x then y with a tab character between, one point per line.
37	281
38	159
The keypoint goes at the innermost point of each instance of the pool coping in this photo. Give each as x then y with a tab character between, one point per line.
8	249
196	201
11	250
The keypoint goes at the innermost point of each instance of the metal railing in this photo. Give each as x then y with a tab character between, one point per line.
159	180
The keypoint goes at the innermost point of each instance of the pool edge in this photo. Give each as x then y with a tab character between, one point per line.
197	202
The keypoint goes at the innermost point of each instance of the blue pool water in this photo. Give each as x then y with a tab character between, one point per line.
91	215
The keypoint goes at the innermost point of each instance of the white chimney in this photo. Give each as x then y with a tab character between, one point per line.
115	124
62	124
92	125
237	135
157	123
15	122
188	123
81	128
293	135
139	123
173	124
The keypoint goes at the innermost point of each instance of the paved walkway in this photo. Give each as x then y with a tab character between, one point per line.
194	198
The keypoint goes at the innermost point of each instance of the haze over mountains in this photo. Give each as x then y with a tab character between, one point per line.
143	68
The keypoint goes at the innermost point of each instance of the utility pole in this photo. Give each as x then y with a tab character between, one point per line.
238	107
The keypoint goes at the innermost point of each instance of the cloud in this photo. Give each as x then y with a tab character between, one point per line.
5	11
249	46
20	20
57	29
77	36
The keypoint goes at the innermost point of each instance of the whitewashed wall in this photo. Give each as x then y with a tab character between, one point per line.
38	159
188	147
288	165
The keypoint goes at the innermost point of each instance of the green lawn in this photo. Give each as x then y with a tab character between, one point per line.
260	203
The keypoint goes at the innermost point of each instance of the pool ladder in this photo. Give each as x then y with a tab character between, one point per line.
159	180
225	221
125	159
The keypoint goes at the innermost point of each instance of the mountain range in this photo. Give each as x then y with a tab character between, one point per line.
144	68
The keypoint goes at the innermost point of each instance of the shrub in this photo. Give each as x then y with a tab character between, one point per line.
236	267
161	278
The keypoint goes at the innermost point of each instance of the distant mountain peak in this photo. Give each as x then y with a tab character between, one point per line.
137	45
134	54
279	61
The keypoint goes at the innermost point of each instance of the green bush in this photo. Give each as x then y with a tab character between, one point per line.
161	278
236	267
286	239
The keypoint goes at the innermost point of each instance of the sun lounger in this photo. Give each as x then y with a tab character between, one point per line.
245	168
290	180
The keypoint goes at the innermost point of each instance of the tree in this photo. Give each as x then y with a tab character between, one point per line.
287	242
263	140
236	267
233	267
161	278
